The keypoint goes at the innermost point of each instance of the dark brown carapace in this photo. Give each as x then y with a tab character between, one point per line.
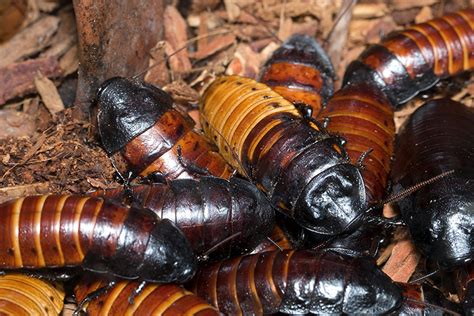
297	281
208	211
153	299
53	231
363	116
301	72
302	169
412	60
144	134
24	295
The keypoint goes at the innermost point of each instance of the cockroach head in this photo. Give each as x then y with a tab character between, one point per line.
126	108
332	203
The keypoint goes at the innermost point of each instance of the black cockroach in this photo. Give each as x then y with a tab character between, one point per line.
208	211
435	139
301	72
146	135
54	231
297	281
25	295
303	169
414	59
153	299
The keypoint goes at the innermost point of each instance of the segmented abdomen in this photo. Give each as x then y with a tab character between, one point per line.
23	295
412	60
289	158
144	134
154	299
208	211
301	72
296	281
437	138
364	118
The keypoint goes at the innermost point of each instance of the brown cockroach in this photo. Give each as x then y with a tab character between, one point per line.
54	231
144	134
412	60
303	169
25	295
153	299
301	72
208	211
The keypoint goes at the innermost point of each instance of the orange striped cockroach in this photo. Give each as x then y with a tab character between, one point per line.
54	231
208	211
144	134
25	295
412	60
301	72
302	169
153	299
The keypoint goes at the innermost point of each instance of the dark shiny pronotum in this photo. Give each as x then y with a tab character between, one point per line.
146	135
414	59
301	72
208	211
438	138
302	169
153	299
54	231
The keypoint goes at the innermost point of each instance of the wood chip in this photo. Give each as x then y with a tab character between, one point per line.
9	193
403	261
370	10
49	94
213	46
65	37
70	61
16	124
18	79
424	15
176	37
232	8
158	73
29	41
246	62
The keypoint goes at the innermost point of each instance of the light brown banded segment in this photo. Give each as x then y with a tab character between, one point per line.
364	118
154	299
232	109
22	295
412	60
47	231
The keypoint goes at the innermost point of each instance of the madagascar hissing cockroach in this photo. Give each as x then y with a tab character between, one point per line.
54	231
363	116
303	170
437	138
144	134
297	281
412	60
301	72
25	295
153	299
276	241
208	211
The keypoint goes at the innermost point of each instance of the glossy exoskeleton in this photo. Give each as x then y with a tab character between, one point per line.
409	61
208	211
276	241
437	138
301	72
54	231
363	116
302	169
146	135
24	295
153	299
297	281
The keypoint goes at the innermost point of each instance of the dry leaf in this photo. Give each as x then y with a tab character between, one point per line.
49	94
